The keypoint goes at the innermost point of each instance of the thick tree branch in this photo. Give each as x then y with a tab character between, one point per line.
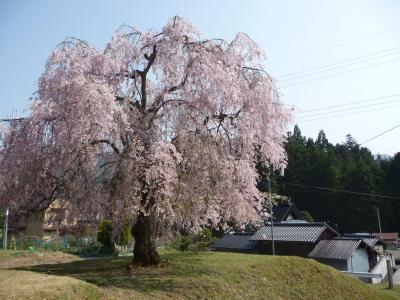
143	74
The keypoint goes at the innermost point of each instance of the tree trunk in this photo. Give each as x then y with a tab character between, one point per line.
144	233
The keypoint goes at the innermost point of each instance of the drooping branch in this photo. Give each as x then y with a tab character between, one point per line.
112	145
222	116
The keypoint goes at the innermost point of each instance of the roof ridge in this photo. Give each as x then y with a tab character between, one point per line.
309	224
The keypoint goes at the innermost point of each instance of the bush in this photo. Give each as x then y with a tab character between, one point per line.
182	243
198	242
25	244
199	247
104	236
205	235
125	235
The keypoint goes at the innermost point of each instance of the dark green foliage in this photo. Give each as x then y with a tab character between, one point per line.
202	240
199	246
183	243
104	236
197	242
205	235
346	166
306	215
125	235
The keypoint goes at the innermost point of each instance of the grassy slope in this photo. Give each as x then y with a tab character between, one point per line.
187	276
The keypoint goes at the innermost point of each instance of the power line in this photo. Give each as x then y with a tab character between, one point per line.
337	190
358	60
382	133
340	73
346	109
349	114
349	103
335	46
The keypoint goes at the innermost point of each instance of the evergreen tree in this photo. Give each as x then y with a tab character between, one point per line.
346	166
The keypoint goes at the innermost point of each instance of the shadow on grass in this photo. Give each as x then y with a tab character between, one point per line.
171	276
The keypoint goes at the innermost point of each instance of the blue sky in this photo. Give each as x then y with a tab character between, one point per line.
296	35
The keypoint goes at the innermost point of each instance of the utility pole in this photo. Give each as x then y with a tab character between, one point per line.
5	229
271	211
379	222
389	272
5	220
379	217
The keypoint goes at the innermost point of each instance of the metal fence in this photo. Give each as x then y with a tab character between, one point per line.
84	245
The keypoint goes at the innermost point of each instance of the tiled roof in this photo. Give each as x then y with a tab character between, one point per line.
370	240
235	242
292	232
335	249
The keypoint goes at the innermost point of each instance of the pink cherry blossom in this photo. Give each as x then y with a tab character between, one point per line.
159	129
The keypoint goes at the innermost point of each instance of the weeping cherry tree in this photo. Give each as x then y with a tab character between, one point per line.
160	128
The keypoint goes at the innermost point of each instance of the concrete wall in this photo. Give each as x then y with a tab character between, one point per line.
380	268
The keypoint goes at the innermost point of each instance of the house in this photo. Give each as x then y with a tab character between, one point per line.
292	238
389	237
238	242
371	240
58	219
355	254
348	255
286	212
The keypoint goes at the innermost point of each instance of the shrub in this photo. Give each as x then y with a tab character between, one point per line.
184	243
181	243
198	247
125	235
25	244
205	235
104	236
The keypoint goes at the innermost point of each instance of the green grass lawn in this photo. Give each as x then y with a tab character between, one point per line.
185	275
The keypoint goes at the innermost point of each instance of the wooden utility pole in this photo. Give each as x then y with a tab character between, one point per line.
6	211
389	272
5	229
379	222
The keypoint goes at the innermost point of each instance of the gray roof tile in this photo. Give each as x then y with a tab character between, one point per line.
335	249
235	242
292	232
370	240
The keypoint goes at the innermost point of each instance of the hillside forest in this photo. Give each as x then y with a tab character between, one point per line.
321	177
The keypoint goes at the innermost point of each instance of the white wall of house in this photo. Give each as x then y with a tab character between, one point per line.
290	217
359	261
380	268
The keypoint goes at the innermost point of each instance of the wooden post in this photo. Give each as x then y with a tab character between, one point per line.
389	272
5	228
379	222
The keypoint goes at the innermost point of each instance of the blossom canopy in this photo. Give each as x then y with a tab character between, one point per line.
164	124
